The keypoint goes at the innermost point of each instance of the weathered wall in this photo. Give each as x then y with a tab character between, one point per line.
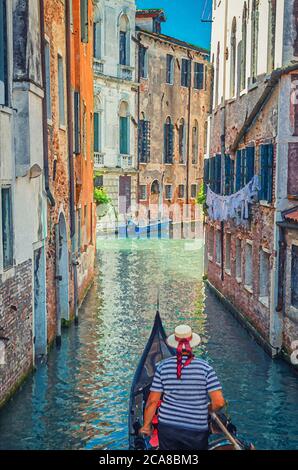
158	100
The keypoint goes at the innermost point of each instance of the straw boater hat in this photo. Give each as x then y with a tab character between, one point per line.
183	332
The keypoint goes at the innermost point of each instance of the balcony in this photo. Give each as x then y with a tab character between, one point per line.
98	67
124	161
125	72
99	160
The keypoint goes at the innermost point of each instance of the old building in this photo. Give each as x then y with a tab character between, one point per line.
23	209
253	132
115	121
68	50
173	103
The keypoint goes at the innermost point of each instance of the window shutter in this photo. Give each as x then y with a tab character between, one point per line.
122	47
123	135
77	123
227	174
165	143
199	76
188	73
96	136
3	52
171	142
212	173
270	172
264	175
238	170
250	163
84	20
243	167
206	172
146	133
218	174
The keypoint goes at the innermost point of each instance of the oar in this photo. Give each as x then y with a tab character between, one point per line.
225	431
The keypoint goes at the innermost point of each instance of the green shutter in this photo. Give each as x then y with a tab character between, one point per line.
96	133
250	163
123	135
238	170
270	172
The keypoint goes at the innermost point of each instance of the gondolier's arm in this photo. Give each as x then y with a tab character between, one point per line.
150	409
217	401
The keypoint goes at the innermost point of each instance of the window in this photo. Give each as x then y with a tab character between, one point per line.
254	39
7	227
143	192
170	69
271	35
264	276
193	191
97	35
77	123
211	242
98	181
199	76
144	140
61	91
181	189
292	169
124	129
243	49
245	163
143	62
169	191
168	141
266	170
294	277
3	54
229	175
216	167
228	252
182	141
123	41
48	80
238	259
84	20
248	267
206	172
233	58
185	72
218	247
195	142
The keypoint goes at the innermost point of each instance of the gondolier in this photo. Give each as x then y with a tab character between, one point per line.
189	390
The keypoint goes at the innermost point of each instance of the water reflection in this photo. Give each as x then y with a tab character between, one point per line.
80	398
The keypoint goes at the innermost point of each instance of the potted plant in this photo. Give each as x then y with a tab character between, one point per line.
102	201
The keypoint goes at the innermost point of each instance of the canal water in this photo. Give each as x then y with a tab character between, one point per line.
79	399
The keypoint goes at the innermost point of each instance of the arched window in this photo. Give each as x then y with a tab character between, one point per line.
168	141
233	58
182	146
97	34
124	40
195	142
243	48
155	187
271	35
254	39
124	128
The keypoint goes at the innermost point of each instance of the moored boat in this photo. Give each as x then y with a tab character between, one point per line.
223	434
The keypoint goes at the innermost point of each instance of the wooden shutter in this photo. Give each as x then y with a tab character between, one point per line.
206	172
199	76
122	47
96	133
250	163
146	139
84	20
264	175
238	170
212	173
227	174
270	172
3	52
7	227
171	143
123	135
77	119
218	173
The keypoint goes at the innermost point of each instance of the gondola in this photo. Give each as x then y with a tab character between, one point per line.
223	434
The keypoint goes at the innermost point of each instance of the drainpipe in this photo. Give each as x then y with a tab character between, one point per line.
44	109
70	157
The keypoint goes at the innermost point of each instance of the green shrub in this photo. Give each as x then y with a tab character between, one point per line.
201	197
101	196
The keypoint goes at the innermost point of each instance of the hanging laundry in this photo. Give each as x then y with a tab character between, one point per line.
235	206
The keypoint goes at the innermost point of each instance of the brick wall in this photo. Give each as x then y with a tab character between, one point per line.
16	317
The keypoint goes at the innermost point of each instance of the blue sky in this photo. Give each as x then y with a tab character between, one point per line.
184	19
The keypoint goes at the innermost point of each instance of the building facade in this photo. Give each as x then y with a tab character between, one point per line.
68	50
115	121
253	132
23	207
173	104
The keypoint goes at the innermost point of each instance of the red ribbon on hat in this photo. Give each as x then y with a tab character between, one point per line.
187	348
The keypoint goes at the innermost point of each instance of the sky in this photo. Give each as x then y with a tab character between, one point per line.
184	19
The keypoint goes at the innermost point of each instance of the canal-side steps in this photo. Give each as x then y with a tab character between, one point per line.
245	322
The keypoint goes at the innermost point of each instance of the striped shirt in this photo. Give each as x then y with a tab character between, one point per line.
185	401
